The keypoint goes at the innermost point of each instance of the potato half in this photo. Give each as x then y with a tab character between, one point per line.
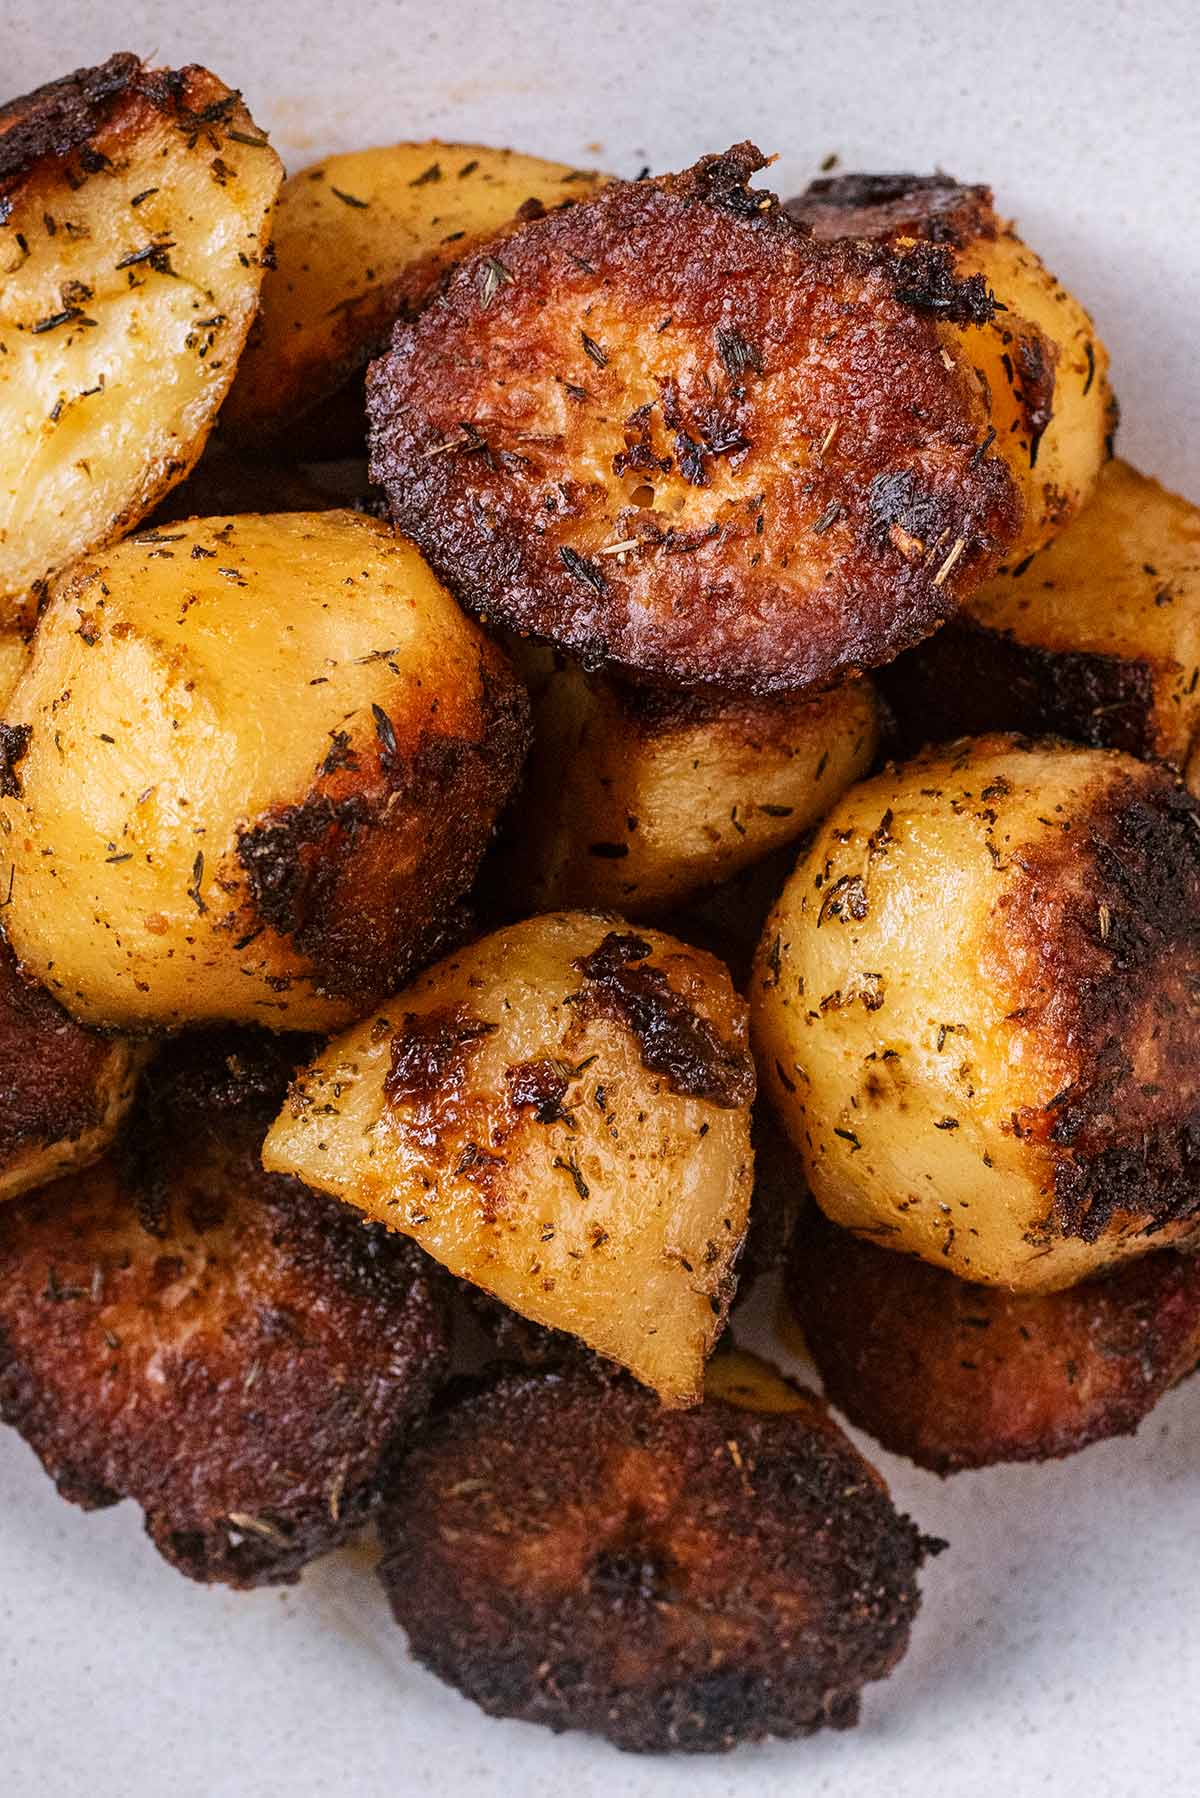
360	240
561	1114
1097	638
135	210
977	1010
639	799
252	766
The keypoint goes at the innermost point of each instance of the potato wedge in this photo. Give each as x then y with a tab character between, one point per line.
977	1011
638	799
135	212
249	772
1096	639
1051	410
360	240
561	1114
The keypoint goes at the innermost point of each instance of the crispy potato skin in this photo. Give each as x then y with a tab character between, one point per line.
135	209
957	1376
1045	370
559	1113
360	240
259	762
1096	639
235	1353
793	452
673	1581
638	799
975	1009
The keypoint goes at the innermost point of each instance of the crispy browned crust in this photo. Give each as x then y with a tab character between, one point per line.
932	208
610	347
671	1580
52	1070
954	1375
237	1354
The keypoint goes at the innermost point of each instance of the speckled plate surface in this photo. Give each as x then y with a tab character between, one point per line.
1059	1647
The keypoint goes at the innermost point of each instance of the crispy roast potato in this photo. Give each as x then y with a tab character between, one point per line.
956	1376
361	240
638	799
1038	357
1097	638
670	1580
977	1011
135	212
64	1089
253	764
561	1114
600	435
237	1355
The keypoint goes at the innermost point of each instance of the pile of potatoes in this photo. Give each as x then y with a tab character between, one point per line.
457	869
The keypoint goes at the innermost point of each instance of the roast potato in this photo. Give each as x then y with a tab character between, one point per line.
1097	638
235	1354
977	1011
250	769
957	1376
1045	371
360	240
761	481
638	799
561	1114
671	1580
135	213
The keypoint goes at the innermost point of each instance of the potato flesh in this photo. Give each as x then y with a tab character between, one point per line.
101	418
618	1222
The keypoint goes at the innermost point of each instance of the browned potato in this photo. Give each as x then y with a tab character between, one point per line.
1097	638
977	1011
600	437
252	766
232	1352
638	799
671	1580
561	1114
956	1376
360	240
135	211
1051	411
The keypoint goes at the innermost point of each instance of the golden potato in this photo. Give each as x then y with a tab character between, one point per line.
253	764
14	659
561	1114
1097	638
637	798
977	1011
1045	371
360	240
135	210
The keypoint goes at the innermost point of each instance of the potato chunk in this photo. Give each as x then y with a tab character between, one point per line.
250	770
1051	410
360	240
1097	638
135	208
977	1010
561	1114
639	799
667	431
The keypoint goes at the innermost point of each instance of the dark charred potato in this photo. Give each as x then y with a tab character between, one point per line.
957	1376
559	1113
234	1353
135	210
977	1011
673	1581
1051	411
667	431
361	240
1097	638
251	768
